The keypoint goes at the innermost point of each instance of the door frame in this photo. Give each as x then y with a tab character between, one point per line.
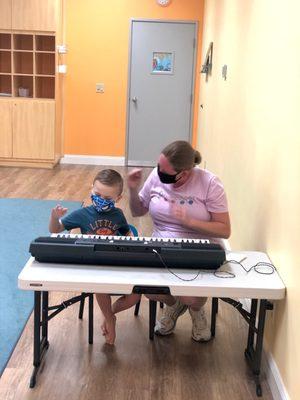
128	103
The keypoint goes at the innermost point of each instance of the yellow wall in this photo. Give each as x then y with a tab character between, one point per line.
249	134
97	34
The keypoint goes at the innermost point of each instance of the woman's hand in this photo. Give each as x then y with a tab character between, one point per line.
134	179
180	214
218	226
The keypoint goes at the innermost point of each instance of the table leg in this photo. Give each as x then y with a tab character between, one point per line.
137	308
152	318
45	305
40	319
91	318
252	323
214	310
253	355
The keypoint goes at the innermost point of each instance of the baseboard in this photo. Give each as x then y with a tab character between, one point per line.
273	376
269	366
92	160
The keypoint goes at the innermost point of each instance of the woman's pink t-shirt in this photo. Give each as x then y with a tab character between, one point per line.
202	194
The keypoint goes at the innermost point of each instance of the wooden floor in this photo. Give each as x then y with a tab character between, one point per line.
170	368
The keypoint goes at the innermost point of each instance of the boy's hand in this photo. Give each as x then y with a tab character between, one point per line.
58	212
134	178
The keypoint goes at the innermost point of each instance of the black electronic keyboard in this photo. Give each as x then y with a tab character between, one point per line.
128	251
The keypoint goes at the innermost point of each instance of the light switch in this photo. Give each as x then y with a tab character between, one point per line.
62	49
62	69
99	87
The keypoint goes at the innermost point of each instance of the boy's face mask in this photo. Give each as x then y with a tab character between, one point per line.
166	178
101	204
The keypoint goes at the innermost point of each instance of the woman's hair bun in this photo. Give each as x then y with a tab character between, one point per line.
198	157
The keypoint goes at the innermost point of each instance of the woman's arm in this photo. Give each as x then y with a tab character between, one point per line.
218	226
136	205
134	179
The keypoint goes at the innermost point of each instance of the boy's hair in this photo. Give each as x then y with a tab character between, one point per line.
110	177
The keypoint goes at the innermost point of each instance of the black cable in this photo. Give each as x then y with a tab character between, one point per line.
228	274
173	273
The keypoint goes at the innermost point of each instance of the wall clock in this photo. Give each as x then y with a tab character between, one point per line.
163	3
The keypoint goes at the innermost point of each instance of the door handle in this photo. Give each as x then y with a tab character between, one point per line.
134	99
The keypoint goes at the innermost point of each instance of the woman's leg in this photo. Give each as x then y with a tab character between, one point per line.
195	303
162	298
200	329
174	308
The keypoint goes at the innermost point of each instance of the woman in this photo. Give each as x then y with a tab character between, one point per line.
184	201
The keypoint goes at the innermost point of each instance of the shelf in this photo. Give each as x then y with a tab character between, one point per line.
23	63
42	52
19	74
5	85
5	41
25	82
5	62
23	51
45	63
23	42
44	76
44	43
27	65
45	87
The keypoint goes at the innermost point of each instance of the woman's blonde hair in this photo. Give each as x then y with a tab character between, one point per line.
181	155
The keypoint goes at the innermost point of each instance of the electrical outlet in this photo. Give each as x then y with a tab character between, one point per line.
99	87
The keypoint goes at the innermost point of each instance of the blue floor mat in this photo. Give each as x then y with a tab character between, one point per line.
21	220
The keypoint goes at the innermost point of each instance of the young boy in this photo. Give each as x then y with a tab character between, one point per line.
101	218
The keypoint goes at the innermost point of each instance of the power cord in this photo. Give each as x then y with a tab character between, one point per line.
173	273
228	274
225	274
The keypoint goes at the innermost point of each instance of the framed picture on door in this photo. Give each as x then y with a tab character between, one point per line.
163	62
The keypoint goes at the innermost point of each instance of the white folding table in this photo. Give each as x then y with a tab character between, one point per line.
87	279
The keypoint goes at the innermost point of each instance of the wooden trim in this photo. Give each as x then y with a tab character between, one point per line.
28	164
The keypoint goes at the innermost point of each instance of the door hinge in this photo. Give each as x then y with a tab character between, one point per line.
192	98
194	43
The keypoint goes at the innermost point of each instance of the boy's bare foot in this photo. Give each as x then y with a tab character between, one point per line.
108	328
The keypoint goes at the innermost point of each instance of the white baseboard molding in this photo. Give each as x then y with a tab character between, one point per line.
269	366
92	160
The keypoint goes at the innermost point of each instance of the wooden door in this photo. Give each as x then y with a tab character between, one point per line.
34	15
33	129
5	14
6	128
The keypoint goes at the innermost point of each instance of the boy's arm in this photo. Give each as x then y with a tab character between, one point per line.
55	226
124	229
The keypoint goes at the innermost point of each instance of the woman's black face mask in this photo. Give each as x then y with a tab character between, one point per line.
166	178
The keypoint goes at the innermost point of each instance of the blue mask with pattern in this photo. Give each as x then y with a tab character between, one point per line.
101	204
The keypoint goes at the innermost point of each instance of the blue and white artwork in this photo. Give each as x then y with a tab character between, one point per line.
162	63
